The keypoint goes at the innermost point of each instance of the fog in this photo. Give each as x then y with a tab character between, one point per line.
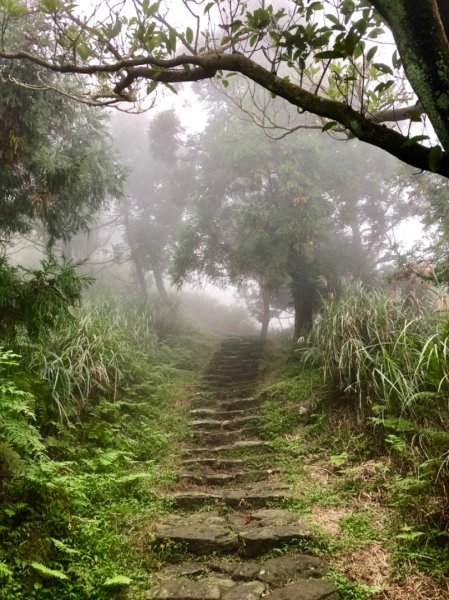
245	231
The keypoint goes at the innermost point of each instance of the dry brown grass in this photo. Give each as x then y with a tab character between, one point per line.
372	566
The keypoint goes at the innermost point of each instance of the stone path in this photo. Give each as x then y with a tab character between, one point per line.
239	543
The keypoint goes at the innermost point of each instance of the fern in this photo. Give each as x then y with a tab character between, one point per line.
117	582
20	441
62	547
47	572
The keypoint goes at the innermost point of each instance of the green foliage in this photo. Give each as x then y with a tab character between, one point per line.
56	167
351	590
20	441
390	351
37	300
104	349
286	402
69	516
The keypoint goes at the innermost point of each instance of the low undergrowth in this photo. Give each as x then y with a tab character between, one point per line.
372	510
88	442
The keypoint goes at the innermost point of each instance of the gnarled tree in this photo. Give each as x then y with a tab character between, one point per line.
368	68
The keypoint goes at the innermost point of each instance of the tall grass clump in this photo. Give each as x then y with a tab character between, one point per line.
106	345
389	351
386	347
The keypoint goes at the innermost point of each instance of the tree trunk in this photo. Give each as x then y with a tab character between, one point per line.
420	35
303	303
140	274
303	291
265	312
160	285
140	271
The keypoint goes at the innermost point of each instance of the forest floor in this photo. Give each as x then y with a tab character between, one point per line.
275	500
279	495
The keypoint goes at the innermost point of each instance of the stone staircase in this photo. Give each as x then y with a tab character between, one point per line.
239	543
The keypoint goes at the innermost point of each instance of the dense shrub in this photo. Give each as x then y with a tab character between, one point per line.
390	352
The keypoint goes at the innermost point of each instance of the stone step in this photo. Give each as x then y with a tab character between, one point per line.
243	366
239	403
214	464
249	534
243	350
256	497
222	415
241	448
223	393
228	392
224	425
223	588
280	569
232	580
222	479
225	437
229	372
242	381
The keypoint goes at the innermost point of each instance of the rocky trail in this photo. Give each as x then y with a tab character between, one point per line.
238	542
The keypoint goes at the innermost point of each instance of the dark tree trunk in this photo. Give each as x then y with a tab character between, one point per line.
159	281
265	312
303	291
140	274
140	271
303	303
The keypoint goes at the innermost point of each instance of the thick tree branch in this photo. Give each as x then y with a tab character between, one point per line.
188	67
394	115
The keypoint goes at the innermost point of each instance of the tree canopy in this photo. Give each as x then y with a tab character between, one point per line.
376	70
263	213
55	161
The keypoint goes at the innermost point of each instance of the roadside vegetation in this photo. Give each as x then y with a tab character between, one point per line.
89	435
102	216
358	418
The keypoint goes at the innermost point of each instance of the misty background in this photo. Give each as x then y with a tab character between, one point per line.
248	228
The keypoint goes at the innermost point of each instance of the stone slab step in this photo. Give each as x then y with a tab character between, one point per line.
250	534
225	425
223	437
239	403
280	569
230	367
217	464
240	448
216	588
238	497
219	415
228	478
232	377
230	465
241	578
306	590
222	392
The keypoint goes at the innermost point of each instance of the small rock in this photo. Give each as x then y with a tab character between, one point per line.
246	571
184	569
